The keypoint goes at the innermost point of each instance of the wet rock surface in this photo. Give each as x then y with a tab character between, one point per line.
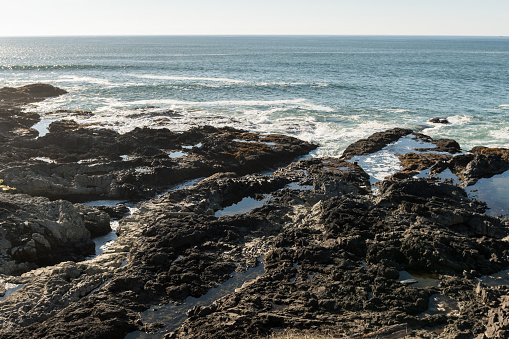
87	164
439	120
375	142
336	252
13	120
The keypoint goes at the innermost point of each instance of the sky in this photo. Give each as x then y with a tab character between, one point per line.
260	17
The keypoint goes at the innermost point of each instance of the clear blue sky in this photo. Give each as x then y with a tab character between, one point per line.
169	17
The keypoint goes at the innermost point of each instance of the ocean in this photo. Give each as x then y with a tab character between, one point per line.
331	90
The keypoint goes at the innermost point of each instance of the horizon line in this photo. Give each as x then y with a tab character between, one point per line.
250	35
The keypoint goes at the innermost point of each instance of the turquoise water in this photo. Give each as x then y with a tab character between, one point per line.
330	90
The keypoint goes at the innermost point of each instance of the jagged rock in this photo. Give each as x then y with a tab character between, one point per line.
333	251
87	164
35	231
62	126
497	299
332	256
482	162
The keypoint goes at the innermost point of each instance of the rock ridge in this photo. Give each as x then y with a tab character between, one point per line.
338	252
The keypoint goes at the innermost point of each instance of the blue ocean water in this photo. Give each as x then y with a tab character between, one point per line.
331	90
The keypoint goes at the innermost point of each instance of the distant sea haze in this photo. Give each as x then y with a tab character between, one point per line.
329	90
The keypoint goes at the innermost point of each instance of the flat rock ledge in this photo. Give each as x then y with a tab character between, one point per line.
333	255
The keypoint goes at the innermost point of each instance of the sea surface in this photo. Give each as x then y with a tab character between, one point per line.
331	90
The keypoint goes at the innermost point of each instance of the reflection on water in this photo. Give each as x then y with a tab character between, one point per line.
176	154
42	126
418	280
496	279
494	191
198	145
104	202
10	289
172	316
297	186
182	185
440	304
246	205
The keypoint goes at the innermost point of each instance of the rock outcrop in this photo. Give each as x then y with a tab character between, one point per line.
311	247
333	257
35	231
13	120
86	164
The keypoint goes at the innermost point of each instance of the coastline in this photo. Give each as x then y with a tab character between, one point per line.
335	241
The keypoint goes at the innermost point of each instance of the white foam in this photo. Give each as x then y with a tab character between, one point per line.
81	79
459	119
180	78
501	135
105	242
379	165
296	103
385	162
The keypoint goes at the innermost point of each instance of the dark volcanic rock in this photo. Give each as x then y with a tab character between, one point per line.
439	120
29	93
115	212
97	222
333	253
62	126
37	232
447	145
482	162
102	164
375	142
13	121
414	163
441	145
497	299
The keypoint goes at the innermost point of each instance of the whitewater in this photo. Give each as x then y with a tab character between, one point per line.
331	90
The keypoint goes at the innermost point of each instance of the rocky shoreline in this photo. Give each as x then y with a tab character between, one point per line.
316	245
